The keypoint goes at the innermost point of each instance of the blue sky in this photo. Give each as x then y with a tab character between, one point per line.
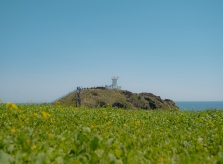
173	48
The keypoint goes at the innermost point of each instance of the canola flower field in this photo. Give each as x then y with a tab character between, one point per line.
45	134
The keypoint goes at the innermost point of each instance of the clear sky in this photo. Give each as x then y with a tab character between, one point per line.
173	49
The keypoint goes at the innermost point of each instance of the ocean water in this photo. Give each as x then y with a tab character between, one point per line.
199	105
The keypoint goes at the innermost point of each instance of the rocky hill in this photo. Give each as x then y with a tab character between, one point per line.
118	98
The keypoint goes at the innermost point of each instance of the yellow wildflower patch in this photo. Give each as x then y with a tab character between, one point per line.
161	159
11	106
46	115
125	134
108	123
14	106
49	135
138	122
8	104
13	130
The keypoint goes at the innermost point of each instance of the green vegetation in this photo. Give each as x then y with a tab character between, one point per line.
56	134
94	98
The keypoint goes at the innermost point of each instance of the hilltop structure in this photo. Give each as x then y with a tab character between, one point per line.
114	85
118	98
113	96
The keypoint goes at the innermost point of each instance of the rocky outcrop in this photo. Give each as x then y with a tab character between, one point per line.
149	101
120	99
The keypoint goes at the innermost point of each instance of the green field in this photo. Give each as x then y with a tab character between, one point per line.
56	134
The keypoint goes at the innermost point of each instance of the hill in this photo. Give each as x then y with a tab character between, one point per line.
118	98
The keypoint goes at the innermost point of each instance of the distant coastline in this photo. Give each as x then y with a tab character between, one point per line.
199	105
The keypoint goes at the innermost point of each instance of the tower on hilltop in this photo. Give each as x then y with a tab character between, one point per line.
114	84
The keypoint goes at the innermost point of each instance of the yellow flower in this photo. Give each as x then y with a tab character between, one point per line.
8	104
49	135
11	106
92	126
160	159
13	130
108	123
125	125
35	114
34	147
138	122
46	115
14	106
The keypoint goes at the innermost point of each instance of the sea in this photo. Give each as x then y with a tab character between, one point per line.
199	105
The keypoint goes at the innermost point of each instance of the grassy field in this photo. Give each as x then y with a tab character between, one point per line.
56	134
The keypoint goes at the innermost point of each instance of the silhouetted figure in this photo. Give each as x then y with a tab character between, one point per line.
78	99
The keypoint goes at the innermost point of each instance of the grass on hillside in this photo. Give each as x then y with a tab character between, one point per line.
97	98
56	134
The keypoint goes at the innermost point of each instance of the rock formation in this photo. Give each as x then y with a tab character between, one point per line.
120	99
